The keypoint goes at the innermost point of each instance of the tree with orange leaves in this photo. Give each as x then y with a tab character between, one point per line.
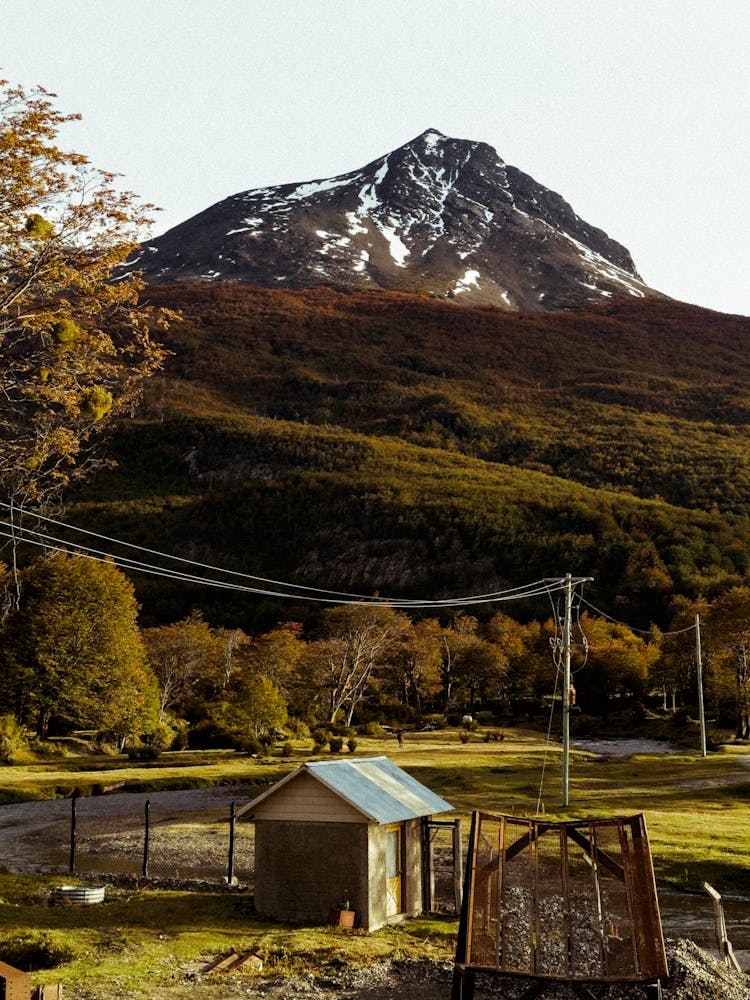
75	343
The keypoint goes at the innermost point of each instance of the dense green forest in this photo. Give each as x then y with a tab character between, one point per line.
381	442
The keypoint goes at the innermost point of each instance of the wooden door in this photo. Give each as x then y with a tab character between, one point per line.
393	870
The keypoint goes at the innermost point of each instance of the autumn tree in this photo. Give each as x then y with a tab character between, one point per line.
73	652
414	664
253	710
609	662
355	641
674	670
182	656
525	661
473	667
75	344
470	666
729	636
275	654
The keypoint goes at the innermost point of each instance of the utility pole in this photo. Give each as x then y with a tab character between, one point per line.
699	673
567	633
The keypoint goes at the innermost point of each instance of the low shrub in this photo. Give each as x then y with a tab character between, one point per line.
297	728
335	744
372	729
12	740
32	950
250	745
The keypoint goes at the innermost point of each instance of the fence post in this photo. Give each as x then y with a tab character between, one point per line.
72	862
230	862
144	870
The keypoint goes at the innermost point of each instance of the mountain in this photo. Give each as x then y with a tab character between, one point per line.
437	215
380	441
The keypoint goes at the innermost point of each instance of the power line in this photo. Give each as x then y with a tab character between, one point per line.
640	631
276	588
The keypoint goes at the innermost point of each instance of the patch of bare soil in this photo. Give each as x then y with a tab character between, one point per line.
694	975
189	833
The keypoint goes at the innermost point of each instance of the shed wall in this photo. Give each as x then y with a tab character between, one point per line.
306	796
302	869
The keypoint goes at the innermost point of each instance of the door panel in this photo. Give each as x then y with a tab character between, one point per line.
393	871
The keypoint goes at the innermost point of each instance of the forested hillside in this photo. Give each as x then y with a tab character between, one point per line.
413	446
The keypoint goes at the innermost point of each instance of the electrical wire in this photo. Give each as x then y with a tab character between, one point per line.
276	588
639	631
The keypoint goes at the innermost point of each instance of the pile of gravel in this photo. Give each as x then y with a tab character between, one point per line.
694	974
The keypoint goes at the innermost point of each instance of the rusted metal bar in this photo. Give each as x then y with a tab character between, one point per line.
565	887
463	981
722	939
591	850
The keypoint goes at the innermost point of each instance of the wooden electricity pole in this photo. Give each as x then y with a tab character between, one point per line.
699	673
567	632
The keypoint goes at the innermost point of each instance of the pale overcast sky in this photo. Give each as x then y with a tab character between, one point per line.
636	112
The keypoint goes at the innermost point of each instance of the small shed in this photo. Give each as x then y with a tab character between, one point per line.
342	829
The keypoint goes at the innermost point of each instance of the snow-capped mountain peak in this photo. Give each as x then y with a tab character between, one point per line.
438	215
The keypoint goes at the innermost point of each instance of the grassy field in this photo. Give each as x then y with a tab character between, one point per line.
697	811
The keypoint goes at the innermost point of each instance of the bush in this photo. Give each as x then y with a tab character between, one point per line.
464	736
143	752
351	744
297	728
250	745
287	749
494	736
160	739
12	739
31	950
209	735
372	729
181	729
335	744
321	736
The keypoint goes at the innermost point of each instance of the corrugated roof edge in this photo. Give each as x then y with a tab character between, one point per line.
389	808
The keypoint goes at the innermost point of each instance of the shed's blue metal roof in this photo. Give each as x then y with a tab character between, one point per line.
378	788
374	786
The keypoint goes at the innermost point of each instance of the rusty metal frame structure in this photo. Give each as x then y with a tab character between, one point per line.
573	902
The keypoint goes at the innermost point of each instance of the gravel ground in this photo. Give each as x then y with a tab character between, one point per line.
35	836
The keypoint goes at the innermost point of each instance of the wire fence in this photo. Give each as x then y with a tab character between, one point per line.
157	841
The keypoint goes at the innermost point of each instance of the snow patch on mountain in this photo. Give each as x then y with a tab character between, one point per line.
470	277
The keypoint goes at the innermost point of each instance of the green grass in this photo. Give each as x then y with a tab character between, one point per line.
136	942
184	769
697	812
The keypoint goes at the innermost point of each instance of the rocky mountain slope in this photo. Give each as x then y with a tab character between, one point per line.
438	215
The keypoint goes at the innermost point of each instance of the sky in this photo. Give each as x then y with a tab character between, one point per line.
636	112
